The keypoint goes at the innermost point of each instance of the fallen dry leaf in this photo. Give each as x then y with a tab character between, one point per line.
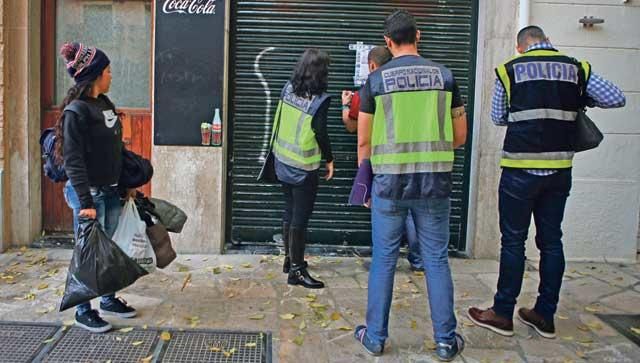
429	345
311	297
251	345
345	328
269	276
135	344
289	316
215	349
635	330
595	326
257	317
303	325
335	316
145	327
126	330
166	336
246	265
580	354
216	270
568	338
299	340
186	281
48	341
592	309
583	327
69	323
414	325
562	317
43	286
147	359
318	306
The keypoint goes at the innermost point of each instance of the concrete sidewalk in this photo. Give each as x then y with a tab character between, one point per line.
248	292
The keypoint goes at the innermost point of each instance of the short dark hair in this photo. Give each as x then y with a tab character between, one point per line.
379	55
401	27
311	74
530	32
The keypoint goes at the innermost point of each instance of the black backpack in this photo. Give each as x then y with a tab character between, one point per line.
52	169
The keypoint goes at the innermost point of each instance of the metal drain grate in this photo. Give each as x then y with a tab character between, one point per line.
80	346
214	347
21	342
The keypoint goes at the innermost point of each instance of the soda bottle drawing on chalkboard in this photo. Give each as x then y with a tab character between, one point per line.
216	129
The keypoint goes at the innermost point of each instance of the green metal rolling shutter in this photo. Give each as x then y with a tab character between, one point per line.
288	27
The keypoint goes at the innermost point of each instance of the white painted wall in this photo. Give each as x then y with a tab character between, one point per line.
601	220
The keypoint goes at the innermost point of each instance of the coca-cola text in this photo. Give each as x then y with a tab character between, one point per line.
195	7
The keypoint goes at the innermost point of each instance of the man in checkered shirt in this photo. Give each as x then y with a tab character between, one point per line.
537	97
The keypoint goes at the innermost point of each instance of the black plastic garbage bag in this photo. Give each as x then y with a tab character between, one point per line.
98	267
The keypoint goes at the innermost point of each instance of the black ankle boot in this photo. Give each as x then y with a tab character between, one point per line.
285	240
298	275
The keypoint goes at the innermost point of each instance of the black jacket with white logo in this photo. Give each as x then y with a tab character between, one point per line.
92	146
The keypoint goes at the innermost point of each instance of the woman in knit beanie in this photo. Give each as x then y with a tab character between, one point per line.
89	143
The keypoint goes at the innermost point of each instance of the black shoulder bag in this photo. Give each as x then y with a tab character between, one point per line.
587	136
268	172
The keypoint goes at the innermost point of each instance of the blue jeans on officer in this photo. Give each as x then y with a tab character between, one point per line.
413	246
108	208
431	217
522	194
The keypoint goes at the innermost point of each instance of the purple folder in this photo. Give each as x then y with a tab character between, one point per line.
361	190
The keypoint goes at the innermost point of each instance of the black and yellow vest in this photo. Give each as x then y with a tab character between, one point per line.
545	91
296	145
412	129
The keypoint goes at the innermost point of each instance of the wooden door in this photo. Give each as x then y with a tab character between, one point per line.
60	19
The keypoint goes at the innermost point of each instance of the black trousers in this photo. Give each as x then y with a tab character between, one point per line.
299	201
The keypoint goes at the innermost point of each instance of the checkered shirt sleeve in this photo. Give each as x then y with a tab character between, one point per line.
603	93
499	105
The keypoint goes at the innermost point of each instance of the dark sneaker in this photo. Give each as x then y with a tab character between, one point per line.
92	322
449	352
492	321
545	328
118	307
416	268
372	348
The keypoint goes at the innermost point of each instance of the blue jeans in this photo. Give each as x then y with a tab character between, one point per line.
522	194
107	204
413	256
431	217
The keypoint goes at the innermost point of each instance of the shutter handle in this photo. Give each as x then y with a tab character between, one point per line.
590	21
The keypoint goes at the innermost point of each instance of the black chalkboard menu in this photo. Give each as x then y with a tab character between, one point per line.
188	68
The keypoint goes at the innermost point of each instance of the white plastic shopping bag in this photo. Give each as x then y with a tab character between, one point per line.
131	237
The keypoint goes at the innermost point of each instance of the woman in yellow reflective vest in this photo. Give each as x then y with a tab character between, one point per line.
300	144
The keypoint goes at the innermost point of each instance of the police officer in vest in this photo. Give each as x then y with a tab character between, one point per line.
411	119
537	96
300	144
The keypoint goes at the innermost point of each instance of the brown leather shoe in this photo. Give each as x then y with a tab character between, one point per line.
545	328
492	321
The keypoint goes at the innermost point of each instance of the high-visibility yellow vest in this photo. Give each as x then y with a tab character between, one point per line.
412	125
295	144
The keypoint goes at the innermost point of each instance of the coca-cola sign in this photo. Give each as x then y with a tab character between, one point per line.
191	7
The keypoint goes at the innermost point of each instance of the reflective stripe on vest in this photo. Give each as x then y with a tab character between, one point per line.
545	160
389	155
543	113
295	144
